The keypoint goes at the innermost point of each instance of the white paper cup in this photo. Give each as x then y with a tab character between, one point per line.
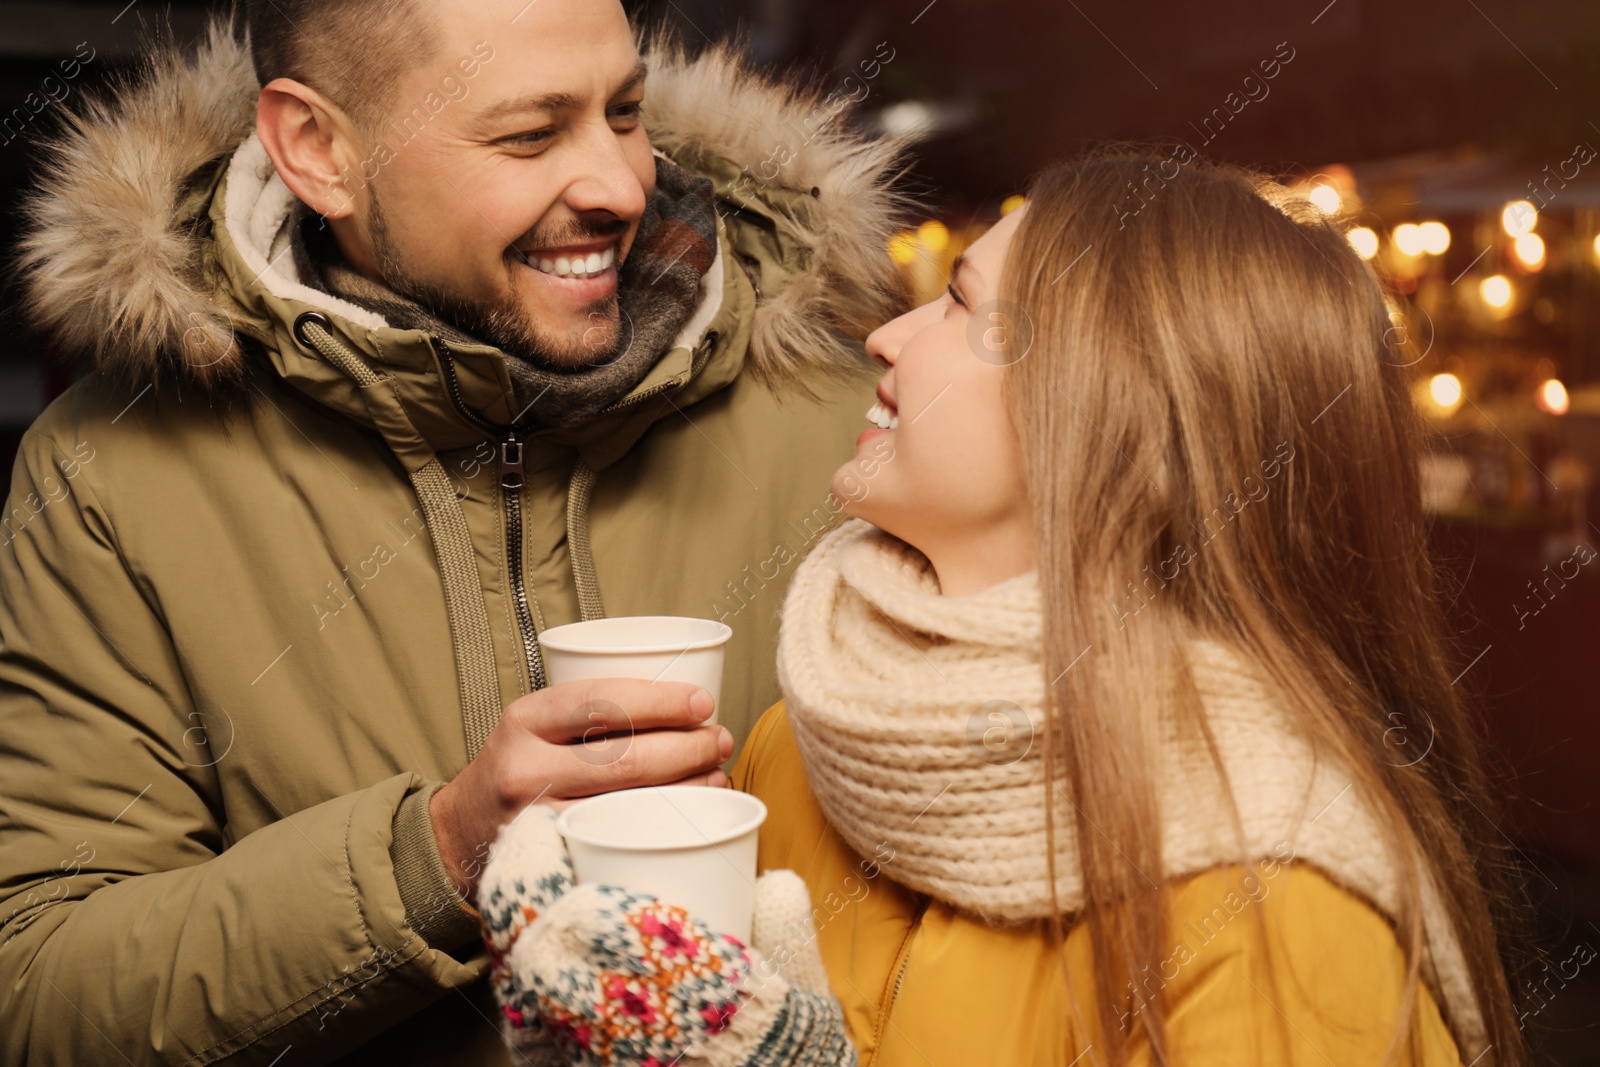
690	845
666	648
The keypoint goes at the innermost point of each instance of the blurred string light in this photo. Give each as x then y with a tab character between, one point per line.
1445	391
934	235
1413	240
1553	397
903	247
908	118
1519	217
1408	238
1597	246
1435	238
1326	198
1529	248
1010	204
1495	290
1365	241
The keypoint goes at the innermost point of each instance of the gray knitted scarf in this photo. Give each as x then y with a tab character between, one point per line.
658	288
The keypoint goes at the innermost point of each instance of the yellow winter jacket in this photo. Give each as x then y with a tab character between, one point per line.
925	986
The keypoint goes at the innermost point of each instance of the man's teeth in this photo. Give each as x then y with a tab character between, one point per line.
575	266
881	417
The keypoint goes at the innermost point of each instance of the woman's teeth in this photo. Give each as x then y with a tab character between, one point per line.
881	417
575	266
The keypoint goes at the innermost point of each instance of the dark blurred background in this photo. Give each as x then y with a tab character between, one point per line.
1458	139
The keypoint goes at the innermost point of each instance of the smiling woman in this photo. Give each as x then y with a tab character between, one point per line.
1079	892
956	487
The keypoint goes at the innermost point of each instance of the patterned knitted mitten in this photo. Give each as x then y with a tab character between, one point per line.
624	978
527	871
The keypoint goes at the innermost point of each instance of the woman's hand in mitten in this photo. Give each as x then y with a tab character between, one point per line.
527	872
624	978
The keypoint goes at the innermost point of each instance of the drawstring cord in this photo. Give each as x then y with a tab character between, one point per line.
477	676
579	492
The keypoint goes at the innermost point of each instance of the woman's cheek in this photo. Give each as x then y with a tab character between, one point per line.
935	469
981	470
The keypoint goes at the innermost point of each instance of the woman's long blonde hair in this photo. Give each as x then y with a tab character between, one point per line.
1190	323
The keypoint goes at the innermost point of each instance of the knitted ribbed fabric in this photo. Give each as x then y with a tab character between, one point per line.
891	689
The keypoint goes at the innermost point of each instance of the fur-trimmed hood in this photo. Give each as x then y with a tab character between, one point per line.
118	255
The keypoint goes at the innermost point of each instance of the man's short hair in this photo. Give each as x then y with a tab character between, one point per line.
354	52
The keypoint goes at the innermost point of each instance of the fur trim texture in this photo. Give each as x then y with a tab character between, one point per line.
112	266
716	102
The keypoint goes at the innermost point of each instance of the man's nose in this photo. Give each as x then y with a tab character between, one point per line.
604	179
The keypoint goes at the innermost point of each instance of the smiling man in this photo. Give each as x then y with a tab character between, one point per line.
418	328
542	175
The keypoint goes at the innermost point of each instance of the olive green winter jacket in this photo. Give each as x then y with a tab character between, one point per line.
242	640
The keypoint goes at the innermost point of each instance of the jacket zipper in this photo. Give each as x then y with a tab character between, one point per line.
512	481
903	962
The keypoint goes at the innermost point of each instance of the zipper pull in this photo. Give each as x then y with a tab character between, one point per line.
511	462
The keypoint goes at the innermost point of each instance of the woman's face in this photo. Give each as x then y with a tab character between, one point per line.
946	477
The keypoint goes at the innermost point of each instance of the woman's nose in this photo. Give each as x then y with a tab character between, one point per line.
878	346
884	343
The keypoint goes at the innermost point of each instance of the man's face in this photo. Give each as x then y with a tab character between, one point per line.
516	174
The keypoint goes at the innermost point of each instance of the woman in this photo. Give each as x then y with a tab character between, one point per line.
1119	724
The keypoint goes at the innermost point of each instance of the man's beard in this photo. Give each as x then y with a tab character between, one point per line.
505	323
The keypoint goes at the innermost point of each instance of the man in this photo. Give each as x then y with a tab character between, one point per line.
413	337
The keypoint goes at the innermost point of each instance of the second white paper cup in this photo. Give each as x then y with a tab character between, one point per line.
693	846
668	648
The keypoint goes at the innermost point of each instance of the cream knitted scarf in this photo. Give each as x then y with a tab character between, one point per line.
892	691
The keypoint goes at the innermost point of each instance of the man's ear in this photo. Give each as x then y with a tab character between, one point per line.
313	144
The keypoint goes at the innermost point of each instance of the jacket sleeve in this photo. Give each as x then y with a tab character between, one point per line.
132	928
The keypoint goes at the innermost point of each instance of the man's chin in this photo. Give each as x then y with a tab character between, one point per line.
595	338
529	326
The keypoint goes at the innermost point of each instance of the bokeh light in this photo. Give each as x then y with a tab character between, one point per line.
903	248
1519	217
1495	290
1553	397
1529	248
1408	238
1435	238
1326	198
1445	390
1365	241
